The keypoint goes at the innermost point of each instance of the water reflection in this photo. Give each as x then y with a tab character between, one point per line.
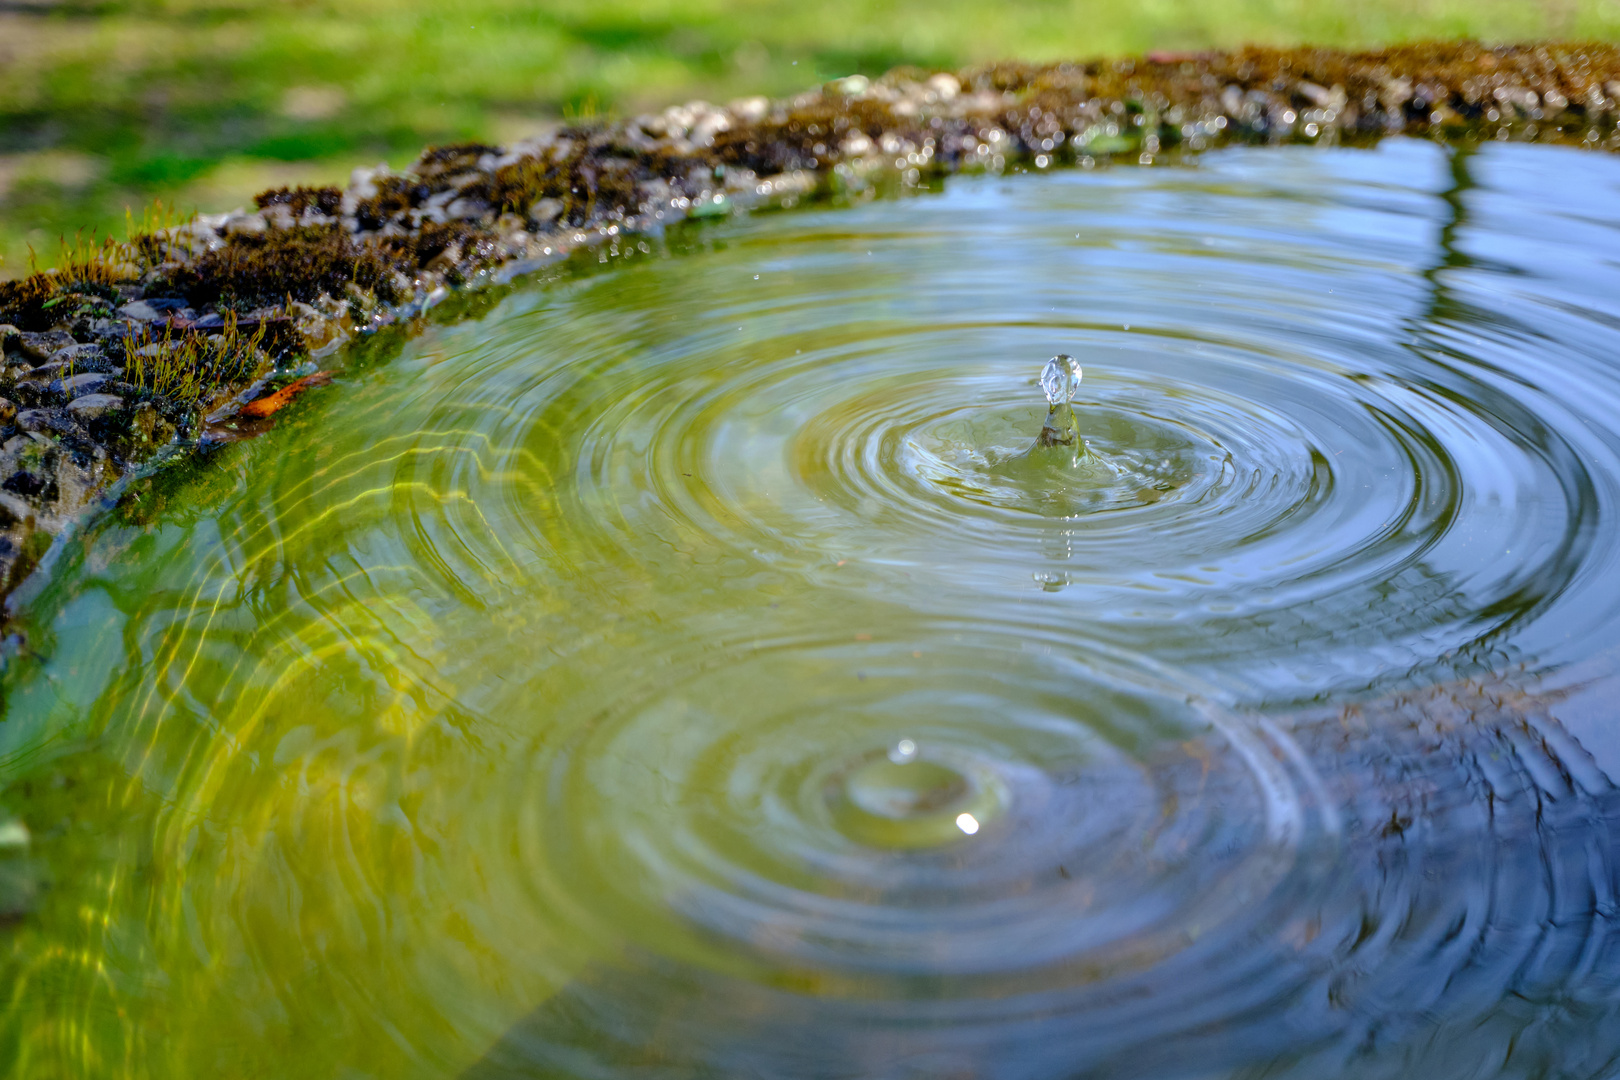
681	670
1439	902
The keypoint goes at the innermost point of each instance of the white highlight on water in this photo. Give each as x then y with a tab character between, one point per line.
967	823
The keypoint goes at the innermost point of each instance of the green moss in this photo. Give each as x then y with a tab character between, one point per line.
185	369
325	200
464	247
595	175
81	286
395	195
269	268
448	160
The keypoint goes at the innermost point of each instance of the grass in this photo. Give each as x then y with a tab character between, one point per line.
109	104
184	368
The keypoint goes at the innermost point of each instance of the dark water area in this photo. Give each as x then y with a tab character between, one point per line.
684	669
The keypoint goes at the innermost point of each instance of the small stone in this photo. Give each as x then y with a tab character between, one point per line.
43	420
750	110
140	311
13	511
88	383
544	211
150	427
91	406
38	348
32	484
466	209
240	224
8	411
78	356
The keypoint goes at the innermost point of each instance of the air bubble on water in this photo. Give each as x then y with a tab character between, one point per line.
1060	379
967	823
903	751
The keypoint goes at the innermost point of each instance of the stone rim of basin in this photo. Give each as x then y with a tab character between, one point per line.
198	297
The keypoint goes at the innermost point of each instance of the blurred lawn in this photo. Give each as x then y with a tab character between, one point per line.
106	105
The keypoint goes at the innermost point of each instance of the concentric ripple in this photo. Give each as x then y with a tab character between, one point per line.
688	668
1269	464
815	836
1174	911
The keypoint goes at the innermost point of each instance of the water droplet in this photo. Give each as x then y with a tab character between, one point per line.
903	751
967	823
1060	379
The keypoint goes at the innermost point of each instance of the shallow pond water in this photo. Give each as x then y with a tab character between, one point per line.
678	672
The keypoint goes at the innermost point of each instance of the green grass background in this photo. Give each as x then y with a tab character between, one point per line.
108	105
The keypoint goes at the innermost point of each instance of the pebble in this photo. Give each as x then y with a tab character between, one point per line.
82	357
35	420
140	311
80	385
91	406
39	348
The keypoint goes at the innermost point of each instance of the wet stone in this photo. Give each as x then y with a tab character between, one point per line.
140	311
30	485
29	469
43	420
40	347
78	358
32	391
149	426
8	411
89	383
91	406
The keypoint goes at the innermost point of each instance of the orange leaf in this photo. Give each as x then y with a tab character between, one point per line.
264	406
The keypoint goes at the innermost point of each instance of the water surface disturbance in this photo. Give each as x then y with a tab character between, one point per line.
688	668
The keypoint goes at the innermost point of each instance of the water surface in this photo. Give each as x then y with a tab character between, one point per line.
678	672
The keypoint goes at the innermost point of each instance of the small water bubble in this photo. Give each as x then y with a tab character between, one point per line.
1060	379
967	823
1050	581
903	751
